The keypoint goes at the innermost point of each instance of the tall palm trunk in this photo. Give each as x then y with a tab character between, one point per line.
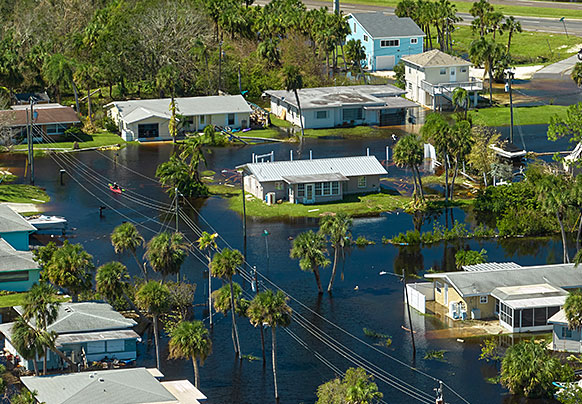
446	163
563	233
344	57
232	309
419	182
317	278
140	266
196	373
300	115
44	364
274	352
157	342
455	172
263	344
210	292
76	96
209	81
89	105
490	81
35	365
414	190
333	269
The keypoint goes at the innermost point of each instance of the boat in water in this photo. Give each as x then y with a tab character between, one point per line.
43	222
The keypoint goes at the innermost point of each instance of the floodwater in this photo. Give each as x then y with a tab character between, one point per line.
362	297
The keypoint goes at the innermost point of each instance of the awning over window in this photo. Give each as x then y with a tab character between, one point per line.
304	179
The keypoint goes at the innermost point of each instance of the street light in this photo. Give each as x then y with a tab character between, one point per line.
266	235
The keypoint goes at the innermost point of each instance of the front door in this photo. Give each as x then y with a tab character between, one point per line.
453	74
309	196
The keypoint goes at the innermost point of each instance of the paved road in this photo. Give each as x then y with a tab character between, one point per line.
539	24
558	69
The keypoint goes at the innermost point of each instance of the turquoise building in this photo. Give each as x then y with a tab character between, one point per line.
385	38
14	228
18	270
86	332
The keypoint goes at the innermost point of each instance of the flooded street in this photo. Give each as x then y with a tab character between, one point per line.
362	297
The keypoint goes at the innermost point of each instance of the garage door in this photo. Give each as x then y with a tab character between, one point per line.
384	62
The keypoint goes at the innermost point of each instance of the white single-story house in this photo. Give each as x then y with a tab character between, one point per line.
328	107
86	332
564	338
149	119
524	299
312	181
432	76
116	386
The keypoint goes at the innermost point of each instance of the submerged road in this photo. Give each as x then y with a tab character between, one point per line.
536	24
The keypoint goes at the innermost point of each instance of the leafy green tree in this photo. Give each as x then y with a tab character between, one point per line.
480	11
58	71
166	253
43	254
71	268
555	199
482	156
272	309
437	131
569	126
470	257
225	265
154	297
576	74
461	100
460	147
269	51
529	370
356	54
24	397
293	81
309	249
207	243
190	339
87	75
126	237
337	228
356	387
573	310
408	152
177	174
400	75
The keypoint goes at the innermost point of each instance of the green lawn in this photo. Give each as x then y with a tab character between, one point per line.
354	205
464	7
280	122
17	299
101	139
356	131
500	116
526	47
22	193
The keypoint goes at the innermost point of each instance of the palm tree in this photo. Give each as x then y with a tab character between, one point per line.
41	305
154	297
338	229
223	304
436	131
272	309
309	248
510	25
189	339
225	265
126	237
576	74
26	342
166	253
201	50
573	310
461	100
555	199
58	71
207	243
486	52
408	152
293	81
460	147
87	74
70	267
356	54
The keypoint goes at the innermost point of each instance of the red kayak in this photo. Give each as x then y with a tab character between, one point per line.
117	190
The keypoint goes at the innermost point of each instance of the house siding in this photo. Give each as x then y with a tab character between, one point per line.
17	239
572	344
22	286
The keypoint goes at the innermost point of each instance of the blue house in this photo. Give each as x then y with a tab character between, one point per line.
86	332
386	38
14	229
18	270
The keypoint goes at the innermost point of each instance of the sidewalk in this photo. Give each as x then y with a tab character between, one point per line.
560	68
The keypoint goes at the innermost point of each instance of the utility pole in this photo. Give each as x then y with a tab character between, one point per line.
244	224
409	317
239	80
219	66
266	234
30	133
510	75
176	207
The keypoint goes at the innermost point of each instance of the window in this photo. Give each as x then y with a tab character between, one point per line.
413	41
55	129
389	43
318	189
301	191
321	114
279	186
444	70
14	276
566	332
148	130
335	188
361	182
116	345
463	70
483	299
540	316
409	70
231	119
202	121
326	188
352	114
438	286
527	318
95	347
410	86
365	38
496	306
354	28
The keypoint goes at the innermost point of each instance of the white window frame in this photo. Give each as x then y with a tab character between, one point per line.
463	70
317	114
317	189
413	41
362	182
365	38
336	185
300	190
443	70
326	188
390	43
483	299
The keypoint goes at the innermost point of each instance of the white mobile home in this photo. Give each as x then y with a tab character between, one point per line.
149	119
328	107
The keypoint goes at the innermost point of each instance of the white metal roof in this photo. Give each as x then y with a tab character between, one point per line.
95	336
491	266
558	318
533	302
346	166
527	296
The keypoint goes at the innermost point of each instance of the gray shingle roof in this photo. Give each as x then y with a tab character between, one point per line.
137	110
87	317
435	58
346	166
380	25
483	283
118	386
10	221
13	260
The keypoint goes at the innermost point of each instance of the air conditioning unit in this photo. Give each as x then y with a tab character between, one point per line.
270	199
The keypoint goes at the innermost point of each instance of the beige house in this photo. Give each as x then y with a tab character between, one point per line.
431	77
149	119
312	181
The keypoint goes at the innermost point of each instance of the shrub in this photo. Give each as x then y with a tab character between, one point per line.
499	199
109	125
76	134
470	257
526	222
362	241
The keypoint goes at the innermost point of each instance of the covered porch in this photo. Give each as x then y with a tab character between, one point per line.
315	188
441	94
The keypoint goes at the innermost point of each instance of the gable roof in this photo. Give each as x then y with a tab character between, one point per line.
11	221
346	166
118	386
435	58
13	260
137	110
86	317
482	283
46	114
380	25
